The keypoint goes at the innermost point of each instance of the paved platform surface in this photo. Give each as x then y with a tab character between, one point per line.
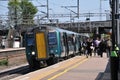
91	68
107	73
95	68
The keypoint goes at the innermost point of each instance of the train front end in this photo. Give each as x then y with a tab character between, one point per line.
36	48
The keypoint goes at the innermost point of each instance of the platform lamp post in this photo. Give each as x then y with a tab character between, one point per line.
113	55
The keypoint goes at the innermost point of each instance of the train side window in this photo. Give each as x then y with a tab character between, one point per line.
52	38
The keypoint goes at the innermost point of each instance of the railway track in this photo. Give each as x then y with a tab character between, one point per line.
9	74
15	72
14	56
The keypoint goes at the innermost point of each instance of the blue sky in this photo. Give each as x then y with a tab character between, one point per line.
86	6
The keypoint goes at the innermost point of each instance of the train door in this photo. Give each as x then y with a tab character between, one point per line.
65	40
78	44
71	44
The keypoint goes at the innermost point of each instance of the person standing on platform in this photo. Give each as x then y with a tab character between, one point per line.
84	47
102	48
108	47
97	41
88	47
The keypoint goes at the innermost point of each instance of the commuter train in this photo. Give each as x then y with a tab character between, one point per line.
50	44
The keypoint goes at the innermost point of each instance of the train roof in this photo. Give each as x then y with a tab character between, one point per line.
67	31
62	30
71	32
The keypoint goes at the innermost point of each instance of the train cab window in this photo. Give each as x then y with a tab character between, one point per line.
52	38
30	40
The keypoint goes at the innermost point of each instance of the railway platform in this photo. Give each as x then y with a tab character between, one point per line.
76	68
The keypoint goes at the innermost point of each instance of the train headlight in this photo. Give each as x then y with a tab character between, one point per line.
33	53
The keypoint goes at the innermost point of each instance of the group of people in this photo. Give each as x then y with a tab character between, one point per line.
97	46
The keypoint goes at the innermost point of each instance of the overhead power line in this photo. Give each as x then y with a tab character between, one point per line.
80	15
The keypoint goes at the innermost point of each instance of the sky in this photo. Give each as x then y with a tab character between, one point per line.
85	6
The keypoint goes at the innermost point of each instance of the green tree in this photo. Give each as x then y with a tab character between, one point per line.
23	10
14	11
28	11
21	14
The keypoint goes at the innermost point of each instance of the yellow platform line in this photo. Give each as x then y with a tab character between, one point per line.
66	70
37	75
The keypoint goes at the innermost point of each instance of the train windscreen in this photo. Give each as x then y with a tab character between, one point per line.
52	38
30	40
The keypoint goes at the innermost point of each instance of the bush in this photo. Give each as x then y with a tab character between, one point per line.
3	62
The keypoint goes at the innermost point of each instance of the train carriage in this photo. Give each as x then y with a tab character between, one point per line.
50	45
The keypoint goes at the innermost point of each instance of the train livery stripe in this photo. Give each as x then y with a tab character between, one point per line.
41	45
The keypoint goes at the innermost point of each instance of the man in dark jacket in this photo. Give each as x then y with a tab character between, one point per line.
102	48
